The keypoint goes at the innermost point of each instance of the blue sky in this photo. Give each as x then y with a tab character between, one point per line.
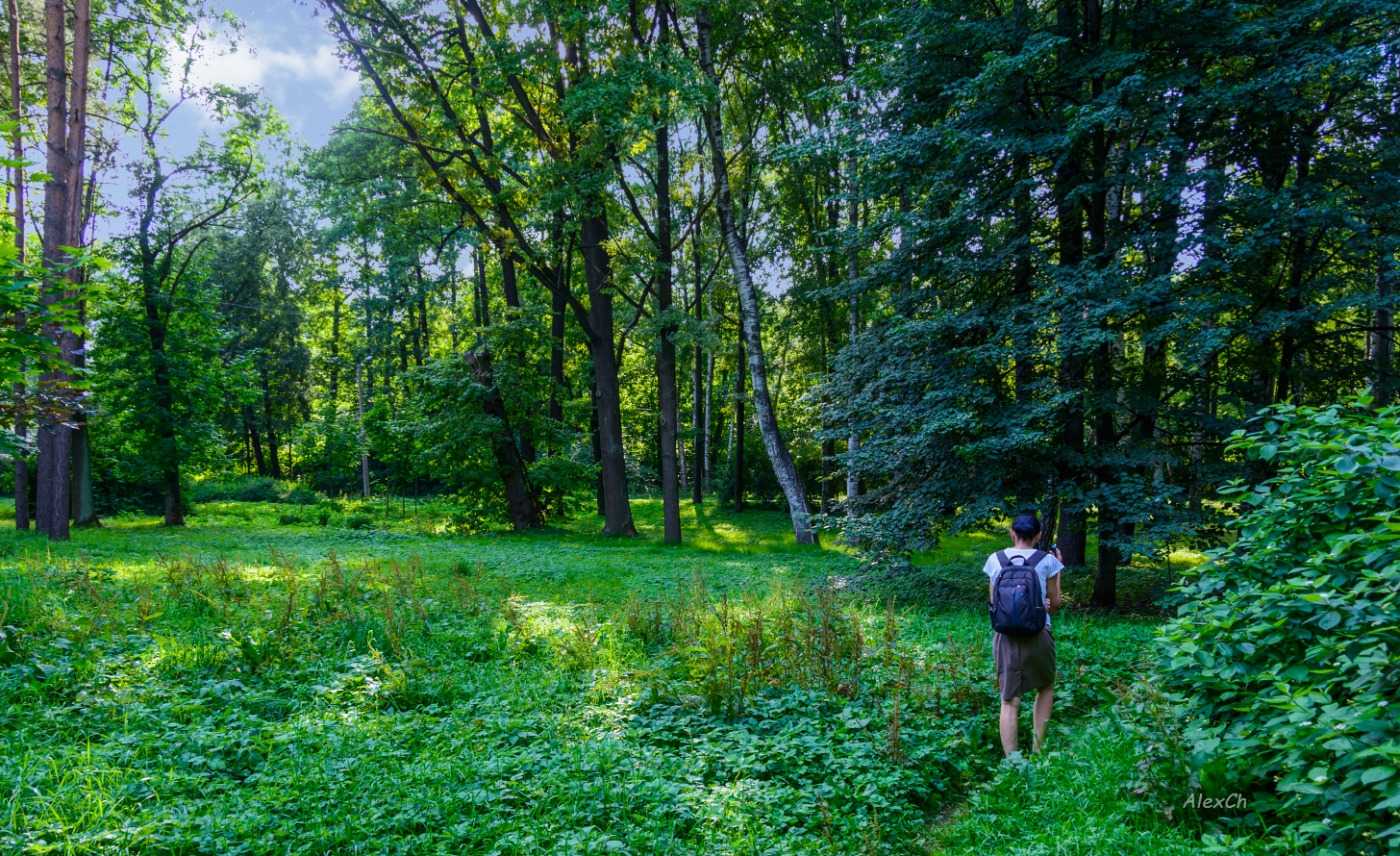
286	51
283	50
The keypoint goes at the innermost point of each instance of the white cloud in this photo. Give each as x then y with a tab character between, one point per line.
276	70
297	69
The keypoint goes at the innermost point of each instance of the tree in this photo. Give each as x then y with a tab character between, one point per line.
67	93
1118	251
550	152
750	326
179	200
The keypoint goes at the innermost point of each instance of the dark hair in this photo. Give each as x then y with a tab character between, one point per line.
1026	525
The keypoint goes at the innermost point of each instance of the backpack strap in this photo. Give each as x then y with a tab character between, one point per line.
1002	558
1036	558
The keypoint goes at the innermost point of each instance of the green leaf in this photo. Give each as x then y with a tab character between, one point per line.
1377	774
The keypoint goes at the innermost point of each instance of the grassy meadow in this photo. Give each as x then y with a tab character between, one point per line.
358	678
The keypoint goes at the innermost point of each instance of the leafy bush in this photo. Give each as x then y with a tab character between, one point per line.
254	489
358	521
1287	650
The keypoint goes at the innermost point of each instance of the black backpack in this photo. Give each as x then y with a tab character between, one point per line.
1018	604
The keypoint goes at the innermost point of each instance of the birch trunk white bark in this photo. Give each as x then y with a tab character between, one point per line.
773	443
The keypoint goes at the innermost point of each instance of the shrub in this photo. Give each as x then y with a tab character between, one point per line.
1287	650
358	521
251	489
255	489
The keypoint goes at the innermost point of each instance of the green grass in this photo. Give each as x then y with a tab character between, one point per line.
1075	799
248	685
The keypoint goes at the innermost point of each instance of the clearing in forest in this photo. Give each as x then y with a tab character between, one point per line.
258	683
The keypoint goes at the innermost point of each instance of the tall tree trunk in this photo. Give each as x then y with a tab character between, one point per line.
67	118
522	499
597	453
1105	433
1382	353
84	512
853	310
167	446
1110	528
697	407
335	351
364	442
558	306
250	426
56	193
522	509
423	325
274	462
681	461
415	333
510	287
1021	276
667	399
1299	260
740	422
773	441
710	427
452	311
1072	537
617	511
17	182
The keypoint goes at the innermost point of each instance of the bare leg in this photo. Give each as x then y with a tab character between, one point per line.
1044	702
1010	713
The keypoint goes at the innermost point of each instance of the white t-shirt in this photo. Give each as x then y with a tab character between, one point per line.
1048	567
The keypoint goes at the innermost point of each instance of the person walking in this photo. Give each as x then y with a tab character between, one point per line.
1024	591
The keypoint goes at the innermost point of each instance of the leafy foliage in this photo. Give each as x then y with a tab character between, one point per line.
1287	650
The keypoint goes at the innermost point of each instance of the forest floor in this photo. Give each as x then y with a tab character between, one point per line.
259	683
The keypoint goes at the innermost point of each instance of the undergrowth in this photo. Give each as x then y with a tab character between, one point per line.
245	695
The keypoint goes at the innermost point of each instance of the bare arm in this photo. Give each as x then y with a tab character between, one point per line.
1052	591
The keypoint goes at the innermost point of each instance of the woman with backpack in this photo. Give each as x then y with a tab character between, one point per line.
1024	593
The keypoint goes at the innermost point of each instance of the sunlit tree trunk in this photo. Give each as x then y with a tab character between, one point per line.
740	421
776	446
